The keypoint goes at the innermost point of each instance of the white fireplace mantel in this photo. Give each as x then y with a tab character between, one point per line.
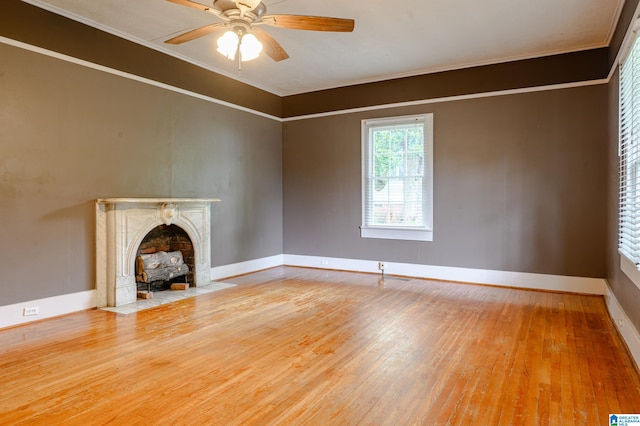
121	225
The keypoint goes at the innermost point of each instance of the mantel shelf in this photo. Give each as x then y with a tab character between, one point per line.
155	200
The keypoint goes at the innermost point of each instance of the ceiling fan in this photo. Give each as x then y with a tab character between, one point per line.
242	18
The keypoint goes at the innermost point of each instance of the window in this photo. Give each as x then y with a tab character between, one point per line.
397	178
629	152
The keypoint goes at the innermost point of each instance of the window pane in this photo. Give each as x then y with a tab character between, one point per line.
415	164
380	141
396	164
397	201
381	165
415	138
397	141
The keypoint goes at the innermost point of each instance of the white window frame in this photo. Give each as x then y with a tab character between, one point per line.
413	233
629	160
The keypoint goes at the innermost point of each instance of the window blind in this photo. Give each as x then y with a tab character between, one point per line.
395	174
629	152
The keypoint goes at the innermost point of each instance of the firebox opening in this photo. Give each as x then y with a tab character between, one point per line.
165	257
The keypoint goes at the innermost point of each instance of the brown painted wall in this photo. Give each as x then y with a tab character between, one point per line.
69	135
519	185
549	70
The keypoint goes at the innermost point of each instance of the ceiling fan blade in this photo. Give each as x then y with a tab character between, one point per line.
190	4
271	47
311	23
197	33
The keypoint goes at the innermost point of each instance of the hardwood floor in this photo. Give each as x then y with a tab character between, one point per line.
300	346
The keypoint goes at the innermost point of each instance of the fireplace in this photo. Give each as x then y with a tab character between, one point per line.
121	226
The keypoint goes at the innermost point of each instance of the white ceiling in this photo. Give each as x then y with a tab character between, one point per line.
391	38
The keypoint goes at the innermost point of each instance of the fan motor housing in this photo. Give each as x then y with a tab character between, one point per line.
229	8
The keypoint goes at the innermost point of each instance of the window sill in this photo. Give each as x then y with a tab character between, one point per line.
409	234
630	270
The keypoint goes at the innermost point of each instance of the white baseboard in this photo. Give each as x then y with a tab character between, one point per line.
54	306
11	315
479	276
247	267
623	324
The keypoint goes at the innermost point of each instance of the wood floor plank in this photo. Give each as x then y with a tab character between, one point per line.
303	346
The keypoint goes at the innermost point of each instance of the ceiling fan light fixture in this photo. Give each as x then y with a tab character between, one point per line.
228	44
242	18
250	47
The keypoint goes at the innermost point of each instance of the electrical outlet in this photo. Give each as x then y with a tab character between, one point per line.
30	311
381	266
324	262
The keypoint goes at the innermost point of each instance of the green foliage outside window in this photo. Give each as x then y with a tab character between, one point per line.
398	151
